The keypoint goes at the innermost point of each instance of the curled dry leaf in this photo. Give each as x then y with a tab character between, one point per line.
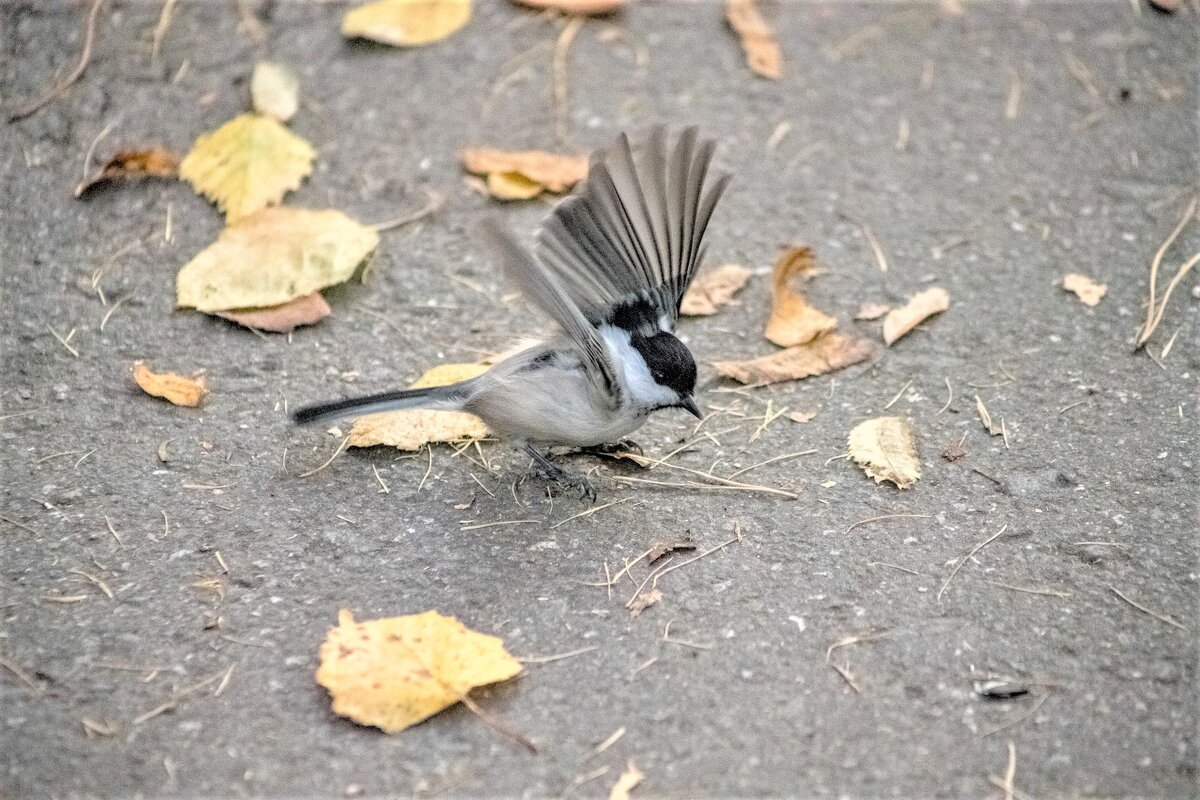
173	388
793	321
628	781
762	51
920	307
828	353
886	450
275	90
393	673
1085	288
713	289
801	416
127	165
406	23
515	174
247	164
577	7
272	257
285	318
870	311
412	429
647	598
661	549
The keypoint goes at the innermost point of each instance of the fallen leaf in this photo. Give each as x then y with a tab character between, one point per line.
801	416
660	549
393	673
273	257
554	173
126	165
886	450
285	318
1085	288
644	601
713	289
584	7
762	51
919	307
406	23
247	164
414	428
512	186
986	418
954	451
173	388
870	311
793	321
628	781
275	90
831	352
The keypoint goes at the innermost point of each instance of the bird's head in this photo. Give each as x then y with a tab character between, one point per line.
672	370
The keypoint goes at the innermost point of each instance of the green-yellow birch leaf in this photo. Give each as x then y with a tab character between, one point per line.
406	23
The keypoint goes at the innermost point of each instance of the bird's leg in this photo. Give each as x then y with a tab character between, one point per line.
615	448
552	473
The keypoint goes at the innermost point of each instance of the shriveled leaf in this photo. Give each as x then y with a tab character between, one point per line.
1085	288
554	173
307	310
512	186
128	165
275	90
793	321
247	164
886	450
577	7
272	257
713	289
801	416
393	673
919	307
412	429
758	40
628	781
870	311
644	600
176	389
661	549
406	23
831	352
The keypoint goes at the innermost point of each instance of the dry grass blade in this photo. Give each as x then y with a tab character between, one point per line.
1163	618
85	56
737	487
336	453
1156	263
21	674
968	557
887	516
557	656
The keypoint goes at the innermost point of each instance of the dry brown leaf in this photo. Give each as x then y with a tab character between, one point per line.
396	672
762	51
307	310
150	162
954	451
628	781
644	600
173	388
986	418
920	307
870	311
801	416
886	450
554	173
413	429
406	23
831	352
584	7
1085	288
713	289
793	321
660	549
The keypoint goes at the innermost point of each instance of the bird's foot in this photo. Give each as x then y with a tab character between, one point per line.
560	477
616	449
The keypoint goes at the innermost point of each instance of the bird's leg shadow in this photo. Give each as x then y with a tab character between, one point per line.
550	472
615	450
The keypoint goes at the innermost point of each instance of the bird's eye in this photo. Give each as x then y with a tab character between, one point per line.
658	376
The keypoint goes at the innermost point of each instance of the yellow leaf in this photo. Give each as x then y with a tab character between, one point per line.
173	388
414	428
1085	288
919	307
393	673
826	354
272	257
793	321
762	50
886	450
713	289
247	164
555	173
512	186
406	23
628	781
275	90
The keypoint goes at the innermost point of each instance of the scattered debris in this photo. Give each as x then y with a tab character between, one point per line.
393	673
870	311
886	516
132	165
1000	688
644	600
1084	288
413	429
516	174
919	307
173	388
886	450
405	23
827	353
628	781
793	321
713	289
801	416
1156	307
986	418
307	310
1163	618
955	450
85	57
660	549
758	40
275	90
968	557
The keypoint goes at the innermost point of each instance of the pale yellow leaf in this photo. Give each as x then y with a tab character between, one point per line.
275	90
555	173
406	23
393	673
920	307
793	321
628	781
272	257
1085	288
831	352
512	186
758	40
173	388
886	450
247	164
412	429
713	289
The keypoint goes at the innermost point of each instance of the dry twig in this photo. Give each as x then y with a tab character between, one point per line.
85	56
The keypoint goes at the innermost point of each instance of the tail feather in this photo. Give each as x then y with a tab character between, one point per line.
431	397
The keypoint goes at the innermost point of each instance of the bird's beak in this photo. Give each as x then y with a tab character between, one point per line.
689	403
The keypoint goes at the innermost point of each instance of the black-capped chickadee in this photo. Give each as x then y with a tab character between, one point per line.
611	266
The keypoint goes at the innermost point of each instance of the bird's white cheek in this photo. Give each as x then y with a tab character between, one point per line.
644	391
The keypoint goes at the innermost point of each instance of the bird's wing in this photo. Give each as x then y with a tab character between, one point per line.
626	245
540	286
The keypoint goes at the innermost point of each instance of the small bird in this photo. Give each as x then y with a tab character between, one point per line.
611	265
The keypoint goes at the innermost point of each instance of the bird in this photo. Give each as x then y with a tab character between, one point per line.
610	266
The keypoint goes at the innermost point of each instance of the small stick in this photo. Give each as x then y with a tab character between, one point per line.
893	566
21	674
1046	592
950	396
385	489
772	461
895	399
589	511
85	55
847	677
736	538
968	557
496	524
1065	409
1160	617
557	656
64	342
336	453
1162	306
880	258
609	742
497	725
666	637
885	516
1156	262
20	525
1014	95
111	309
429	469
160	30
435	202
91	151
1010	772
100	584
